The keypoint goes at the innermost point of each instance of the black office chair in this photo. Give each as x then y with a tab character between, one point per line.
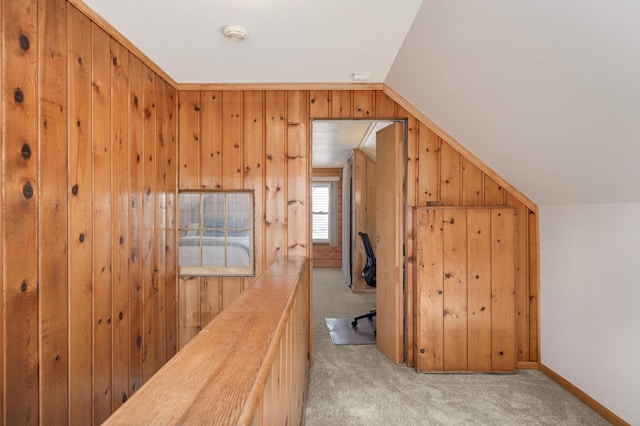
368	274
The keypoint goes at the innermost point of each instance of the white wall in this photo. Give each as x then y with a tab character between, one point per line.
590	300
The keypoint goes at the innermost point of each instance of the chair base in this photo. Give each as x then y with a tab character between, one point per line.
369	316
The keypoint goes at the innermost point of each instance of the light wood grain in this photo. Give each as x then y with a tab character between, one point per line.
80	216
221	375
53	210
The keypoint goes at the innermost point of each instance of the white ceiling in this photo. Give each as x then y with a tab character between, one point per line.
546	93
289	40
333	140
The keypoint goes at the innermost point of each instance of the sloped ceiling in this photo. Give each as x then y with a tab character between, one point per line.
545	92
289	41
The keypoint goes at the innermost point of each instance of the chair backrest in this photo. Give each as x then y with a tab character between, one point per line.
369	270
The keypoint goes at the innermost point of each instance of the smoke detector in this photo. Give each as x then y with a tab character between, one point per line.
234	32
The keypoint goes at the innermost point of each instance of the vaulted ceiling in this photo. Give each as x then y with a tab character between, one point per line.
546	93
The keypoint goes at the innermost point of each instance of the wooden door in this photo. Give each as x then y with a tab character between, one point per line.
465	289
389	240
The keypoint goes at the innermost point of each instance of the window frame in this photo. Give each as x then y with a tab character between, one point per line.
218	271
324	184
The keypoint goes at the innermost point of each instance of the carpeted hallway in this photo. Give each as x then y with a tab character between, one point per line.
357	385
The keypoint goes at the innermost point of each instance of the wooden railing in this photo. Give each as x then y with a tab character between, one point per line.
248	366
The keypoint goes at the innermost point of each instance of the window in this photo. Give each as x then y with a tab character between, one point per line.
216	233
324	223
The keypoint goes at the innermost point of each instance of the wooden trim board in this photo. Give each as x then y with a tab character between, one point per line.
607	414
280	86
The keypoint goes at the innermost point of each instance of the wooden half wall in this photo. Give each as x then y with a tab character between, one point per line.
89	150
232	138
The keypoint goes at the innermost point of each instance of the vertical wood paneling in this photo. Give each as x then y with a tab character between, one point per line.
101	125
2	307
254	160
210	300
385	106
455	289
429	292
450	176
120	235
363	103
160	226
148	218
52	231
471	184
479	289
534	285
494	194
412	187
503	356
136	109
319	104
20	203
189	308
72	202
80	217
436	174
275	180
297	175
428	166
211	140
232	140
341	104
189	137
171	244
522	277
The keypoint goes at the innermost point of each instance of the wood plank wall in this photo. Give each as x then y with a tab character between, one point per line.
436	173
364	216
324	255
88	197
245	140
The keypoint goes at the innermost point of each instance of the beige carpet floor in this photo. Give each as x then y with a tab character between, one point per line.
357	385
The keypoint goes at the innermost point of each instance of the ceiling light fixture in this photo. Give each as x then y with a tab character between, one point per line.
234	32
361	76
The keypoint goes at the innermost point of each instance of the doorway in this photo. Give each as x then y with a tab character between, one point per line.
344	158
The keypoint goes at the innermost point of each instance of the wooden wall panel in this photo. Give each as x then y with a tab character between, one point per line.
275	178
53	209
211	140
231	140
503	358
471	184
412	187
479	289
428	166
136	112
534	280
171	259
319	104
436	173
189	140
455	289
72	202
80	217
341	104
297	173
450	176
253	131
102	291
149	146
20	203
160	226
2	308
120	234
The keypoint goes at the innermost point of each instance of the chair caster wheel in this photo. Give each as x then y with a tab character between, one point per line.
354	323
